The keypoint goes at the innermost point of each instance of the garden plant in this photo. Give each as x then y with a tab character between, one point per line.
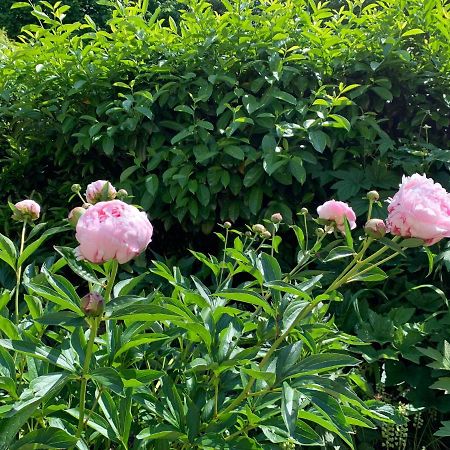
249	356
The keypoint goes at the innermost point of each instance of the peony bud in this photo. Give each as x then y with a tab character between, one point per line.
276	218
266	234
76	188
26	210
227	225
258	228
304	211
373	196
92	304
375	228
122	194
320	232
75	215
100	191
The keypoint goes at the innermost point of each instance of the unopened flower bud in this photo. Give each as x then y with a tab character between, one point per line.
100	191
375	228
258	228
92	304
122	194
26	210
373	196
75	215
304	211
276	218
248	233
320	232
227	225
86	205
76	188
266	234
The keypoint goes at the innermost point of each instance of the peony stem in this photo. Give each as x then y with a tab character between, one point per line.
111	280
19	272
87	362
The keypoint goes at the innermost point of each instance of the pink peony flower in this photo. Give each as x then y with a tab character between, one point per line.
112	230
336	211
98	192
27	210
420	209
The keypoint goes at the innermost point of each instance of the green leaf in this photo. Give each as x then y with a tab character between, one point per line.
290	402
246	296
413	32
325	362
40	389
373	274
140	339
340	121
258	374
183	134
235	152
55	297
339	253
109	378
47	438
411	243
318	139
31	248
152	184
62	318
160	431
286	97
8	251
17	5
297	169
81	268
287	287
253	175
42	352
269	267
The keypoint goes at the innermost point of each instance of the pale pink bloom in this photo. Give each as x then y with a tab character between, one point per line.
95	192
28	209
375	228
112	230
420	209
336	211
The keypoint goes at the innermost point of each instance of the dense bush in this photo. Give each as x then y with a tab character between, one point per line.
12	19
235	115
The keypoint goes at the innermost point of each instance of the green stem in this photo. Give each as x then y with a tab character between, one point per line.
369	212
224	255
355	270
111	280
303	263
354	262
84	380
19	272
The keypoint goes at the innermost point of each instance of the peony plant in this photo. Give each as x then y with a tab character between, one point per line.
239	353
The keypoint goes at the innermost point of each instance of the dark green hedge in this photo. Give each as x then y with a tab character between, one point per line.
230	116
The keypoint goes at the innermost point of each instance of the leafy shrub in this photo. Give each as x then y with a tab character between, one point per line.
232	116
12	19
